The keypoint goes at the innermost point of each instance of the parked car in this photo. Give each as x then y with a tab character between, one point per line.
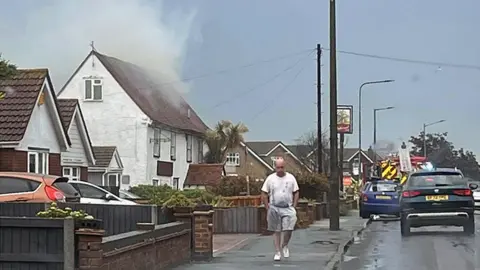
476	192
90	193
380	197
30	187
128	195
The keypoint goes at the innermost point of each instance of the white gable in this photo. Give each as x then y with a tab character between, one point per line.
44	129
76	155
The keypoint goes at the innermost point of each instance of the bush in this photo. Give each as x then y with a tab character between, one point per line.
178	199
155	194
56	212
235	186
312	185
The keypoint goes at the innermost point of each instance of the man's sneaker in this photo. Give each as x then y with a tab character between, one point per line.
277	256
286	252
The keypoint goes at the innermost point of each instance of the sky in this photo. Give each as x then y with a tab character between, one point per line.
253	61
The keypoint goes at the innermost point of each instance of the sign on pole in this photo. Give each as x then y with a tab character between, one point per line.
404	159
345	119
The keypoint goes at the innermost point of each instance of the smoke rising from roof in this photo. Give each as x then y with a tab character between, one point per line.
57	35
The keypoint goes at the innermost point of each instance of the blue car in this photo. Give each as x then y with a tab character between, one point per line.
380	197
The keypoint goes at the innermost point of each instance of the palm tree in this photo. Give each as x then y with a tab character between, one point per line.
7	69
223	137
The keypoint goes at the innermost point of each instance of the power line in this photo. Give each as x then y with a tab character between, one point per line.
278	58
407	60
279	95
244	93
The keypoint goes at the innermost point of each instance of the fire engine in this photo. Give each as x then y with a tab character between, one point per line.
390	168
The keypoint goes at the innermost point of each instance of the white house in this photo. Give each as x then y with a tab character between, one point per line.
157	138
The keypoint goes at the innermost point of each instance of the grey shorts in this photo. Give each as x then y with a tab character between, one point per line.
281	219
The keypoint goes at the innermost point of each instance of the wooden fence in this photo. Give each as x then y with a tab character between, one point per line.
241	201
116	218
236	220
37	243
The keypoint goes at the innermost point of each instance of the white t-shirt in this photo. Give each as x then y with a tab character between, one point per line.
280	189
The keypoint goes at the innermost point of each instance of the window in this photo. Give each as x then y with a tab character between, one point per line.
200	150
383	187
233	159
432	179
173	146
112	180
93	89
157	133
189	148
72	173
90	192
155	182
16	185
175	182
38	162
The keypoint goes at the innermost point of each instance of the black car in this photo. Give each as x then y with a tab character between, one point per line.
437	197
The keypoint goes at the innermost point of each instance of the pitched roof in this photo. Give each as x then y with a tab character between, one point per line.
262	147
67	110
103	155
152	97
204	174
21	93
299	150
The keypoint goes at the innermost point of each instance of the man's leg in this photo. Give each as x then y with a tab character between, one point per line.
274	222
289	219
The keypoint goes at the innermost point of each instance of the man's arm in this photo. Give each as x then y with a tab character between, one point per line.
296	192
265	192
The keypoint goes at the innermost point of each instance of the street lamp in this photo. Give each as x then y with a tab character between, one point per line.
375	128
425	135
360	120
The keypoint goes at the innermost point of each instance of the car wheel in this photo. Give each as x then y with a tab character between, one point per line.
404	227
364	214
469	227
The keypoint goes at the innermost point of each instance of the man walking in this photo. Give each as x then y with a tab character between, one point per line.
280	196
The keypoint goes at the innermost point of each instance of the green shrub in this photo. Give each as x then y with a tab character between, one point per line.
235	186
56	212
155	194
178	199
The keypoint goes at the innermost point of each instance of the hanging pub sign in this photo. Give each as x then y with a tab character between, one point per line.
345	119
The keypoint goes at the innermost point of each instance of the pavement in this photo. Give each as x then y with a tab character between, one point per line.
312	248
381	247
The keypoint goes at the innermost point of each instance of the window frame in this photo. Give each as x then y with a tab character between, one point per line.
200	150
157	145
189	146
45	161
93	83
79	185
155	182
173	146
106	181
70	175
233	156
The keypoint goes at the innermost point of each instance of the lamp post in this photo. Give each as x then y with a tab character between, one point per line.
375	128
360	122
425	135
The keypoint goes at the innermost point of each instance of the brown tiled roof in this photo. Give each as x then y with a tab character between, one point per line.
21	93
67	109
150	96
103	155
204	174
262	148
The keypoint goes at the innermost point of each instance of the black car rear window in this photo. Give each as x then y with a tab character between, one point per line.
436	179
65	187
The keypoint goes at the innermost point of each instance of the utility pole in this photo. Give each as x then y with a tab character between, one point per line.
334	175
340	159
319	111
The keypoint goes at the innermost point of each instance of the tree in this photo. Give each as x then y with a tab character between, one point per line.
442	153
223	137
7	69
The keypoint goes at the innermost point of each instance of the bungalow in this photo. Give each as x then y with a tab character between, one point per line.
32	135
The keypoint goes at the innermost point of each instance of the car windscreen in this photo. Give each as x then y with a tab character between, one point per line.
433	179
383	187
127	195
65	187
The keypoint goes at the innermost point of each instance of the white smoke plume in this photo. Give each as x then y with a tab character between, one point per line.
57	34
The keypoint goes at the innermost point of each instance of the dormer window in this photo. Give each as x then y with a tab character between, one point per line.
93	89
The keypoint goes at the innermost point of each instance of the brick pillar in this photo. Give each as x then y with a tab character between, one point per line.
310	211
203	233
302	215
89	248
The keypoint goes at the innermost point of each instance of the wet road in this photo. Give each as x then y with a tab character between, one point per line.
381	247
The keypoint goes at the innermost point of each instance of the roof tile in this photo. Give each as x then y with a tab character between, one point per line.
21	93
67	109
103	155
